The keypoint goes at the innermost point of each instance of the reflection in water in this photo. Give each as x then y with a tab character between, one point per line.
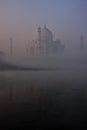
46	97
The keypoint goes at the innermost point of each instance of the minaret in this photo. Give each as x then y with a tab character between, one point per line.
39	35
26	51
11	46
82	42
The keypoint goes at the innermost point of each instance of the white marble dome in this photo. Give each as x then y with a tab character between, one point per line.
46	35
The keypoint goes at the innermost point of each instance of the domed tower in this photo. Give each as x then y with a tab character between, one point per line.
39	34
46	35
82	42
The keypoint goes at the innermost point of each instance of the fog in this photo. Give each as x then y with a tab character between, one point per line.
47	89
54	96
68	57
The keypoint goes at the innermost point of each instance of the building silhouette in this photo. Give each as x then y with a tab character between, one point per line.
11	46
44	43
82	42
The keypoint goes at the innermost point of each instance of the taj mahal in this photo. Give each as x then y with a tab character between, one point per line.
44	44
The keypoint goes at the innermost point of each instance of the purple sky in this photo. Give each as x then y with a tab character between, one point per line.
20	18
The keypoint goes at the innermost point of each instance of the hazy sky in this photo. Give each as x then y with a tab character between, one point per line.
20	18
